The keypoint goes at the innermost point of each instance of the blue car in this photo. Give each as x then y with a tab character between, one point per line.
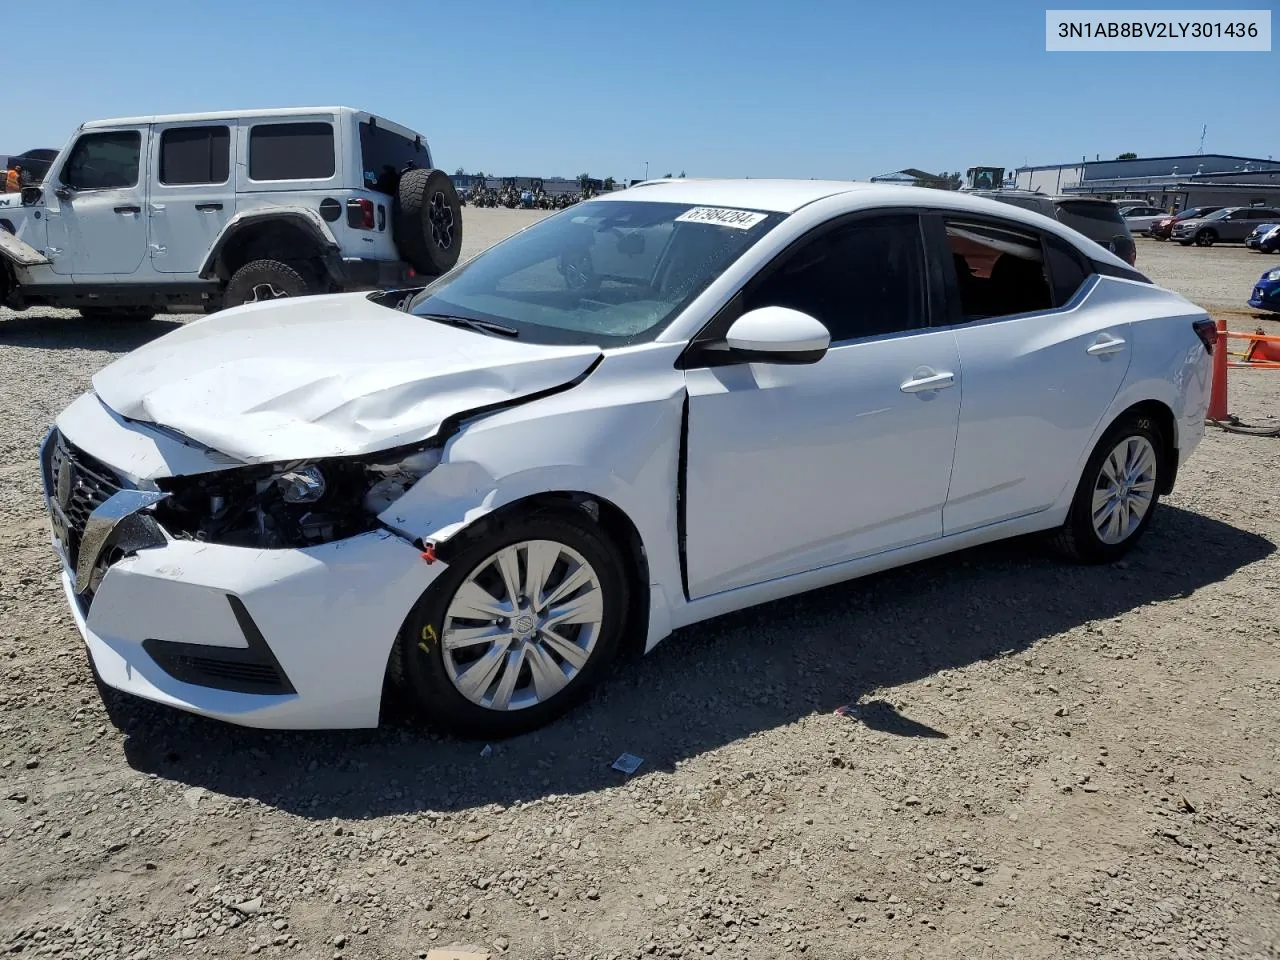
1264	239
1266	294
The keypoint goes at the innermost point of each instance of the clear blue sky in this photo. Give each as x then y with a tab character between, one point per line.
716	88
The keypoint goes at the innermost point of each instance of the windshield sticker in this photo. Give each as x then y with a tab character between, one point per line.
722	217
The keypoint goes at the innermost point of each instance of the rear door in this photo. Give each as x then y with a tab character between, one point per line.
1040	368
192	192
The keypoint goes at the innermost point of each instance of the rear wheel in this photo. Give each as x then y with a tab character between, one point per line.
518	629
126	314
1117	495
263	280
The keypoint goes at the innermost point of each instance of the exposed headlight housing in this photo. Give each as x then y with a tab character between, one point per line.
296	504
1271	275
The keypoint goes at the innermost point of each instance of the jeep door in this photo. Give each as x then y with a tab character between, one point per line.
192	192
95	202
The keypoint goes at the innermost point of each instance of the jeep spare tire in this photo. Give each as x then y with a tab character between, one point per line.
428	221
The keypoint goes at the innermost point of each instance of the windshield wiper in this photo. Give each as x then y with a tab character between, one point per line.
481	326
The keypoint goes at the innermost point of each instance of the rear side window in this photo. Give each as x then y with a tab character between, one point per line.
1000	270
104	161
1067	272
385	155
195	155
1096	219
291	151
861	280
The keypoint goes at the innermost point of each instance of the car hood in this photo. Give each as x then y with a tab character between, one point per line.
324	376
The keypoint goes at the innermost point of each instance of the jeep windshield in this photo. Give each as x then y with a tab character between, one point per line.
608	273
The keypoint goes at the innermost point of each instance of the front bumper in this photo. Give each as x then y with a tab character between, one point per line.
285	639
1266	296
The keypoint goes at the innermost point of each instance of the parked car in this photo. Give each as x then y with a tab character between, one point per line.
612	424
1099	220
1139	219
209	210
1266	295
1162	229
1228	225
1254	240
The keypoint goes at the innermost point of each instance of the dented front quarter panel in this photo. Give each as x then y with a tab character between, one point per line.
615	437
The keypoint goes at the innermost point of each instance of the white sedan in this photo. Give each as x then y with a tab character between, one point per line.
644	411
1139	219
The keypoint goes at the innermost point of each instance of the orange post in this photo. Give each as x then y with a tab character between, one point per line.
1218	390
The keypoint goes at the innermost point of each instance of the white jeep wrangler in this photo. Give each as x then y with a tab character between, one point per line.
141	216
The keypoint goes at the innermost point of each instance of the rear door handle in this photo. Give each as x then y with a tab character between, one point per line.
208	206
1105	345
928	382
128	209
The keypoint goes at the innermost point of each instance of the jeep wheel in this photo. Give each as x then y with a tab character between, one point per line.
428	221
263	280
128	314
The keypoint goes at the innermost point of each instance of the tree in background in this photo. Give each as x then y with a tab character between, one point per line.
608	183
1127	156
681	174
459	172
948	181
666	176
583	179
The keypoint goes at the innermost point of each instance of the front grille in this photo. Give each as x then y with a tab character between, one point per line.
79	484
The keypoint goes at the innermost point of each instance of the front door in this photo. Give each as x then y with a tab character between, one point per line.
192	196
792	468
1040	369
95	204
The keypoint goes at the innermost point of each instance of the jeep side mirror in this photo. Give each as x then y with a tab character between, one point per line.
64	192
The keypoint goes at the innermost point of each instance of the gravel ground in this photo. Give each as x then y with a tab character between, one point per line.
1045	760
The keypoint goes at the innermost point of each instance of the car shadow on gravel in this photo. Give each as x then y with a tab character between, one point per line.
708	685
40	330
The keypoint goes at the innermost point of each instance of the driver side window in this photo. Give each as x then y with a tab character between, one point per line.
104	161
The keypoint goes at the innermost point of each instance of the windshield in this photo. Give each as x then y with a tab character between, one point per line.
608	272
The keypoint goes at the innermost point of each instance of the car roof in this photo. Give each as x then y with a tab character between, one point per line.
788	196
247	115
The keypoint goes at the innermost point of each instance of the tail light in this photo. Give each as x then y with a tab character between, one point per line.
1207	331
360	214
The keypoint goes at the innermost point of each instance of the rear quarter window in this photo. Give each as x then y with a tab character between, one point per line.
292	151
1096	219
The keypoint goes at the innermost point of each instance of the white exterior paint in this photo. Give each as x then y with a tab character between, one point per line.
884	452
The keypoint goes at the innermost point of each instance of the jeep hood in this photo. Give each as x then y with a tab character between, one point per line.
324	376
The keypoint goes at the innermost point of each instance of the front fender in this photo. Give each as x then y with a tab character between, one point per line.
615	437
304	217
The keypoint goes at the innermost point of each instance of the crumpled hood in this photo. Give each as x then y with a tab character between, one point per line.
324	376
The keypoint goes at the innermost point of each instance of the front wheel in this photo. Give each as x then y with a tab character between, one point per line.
1117	494
519	627
1206	238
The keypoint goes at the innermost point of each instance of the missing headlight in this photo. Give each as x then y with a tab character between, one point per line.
294	504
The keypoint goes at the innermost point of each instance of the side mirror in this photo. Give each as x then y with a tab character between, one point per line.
776	335
64	192
31	196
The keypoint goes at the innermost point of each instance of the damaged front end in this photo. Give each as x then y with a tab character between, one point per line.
300	503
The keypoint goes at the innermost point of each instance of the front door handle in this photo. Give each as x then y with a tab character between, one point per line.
924	382
1105	345
208	206
129	209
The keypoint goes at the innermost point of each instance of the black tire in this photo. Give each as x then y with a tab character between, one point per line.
427	224
116	314
262	280
1206	238
1077	538
418	665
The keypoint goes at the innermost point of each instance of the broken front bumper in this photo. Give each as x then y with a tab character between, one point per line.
293	639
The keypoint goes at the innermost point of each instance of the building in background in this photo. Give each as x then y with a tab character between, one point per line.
1167	182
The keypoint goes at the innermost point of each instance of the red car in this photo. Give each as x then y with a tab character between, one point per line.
1162	229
